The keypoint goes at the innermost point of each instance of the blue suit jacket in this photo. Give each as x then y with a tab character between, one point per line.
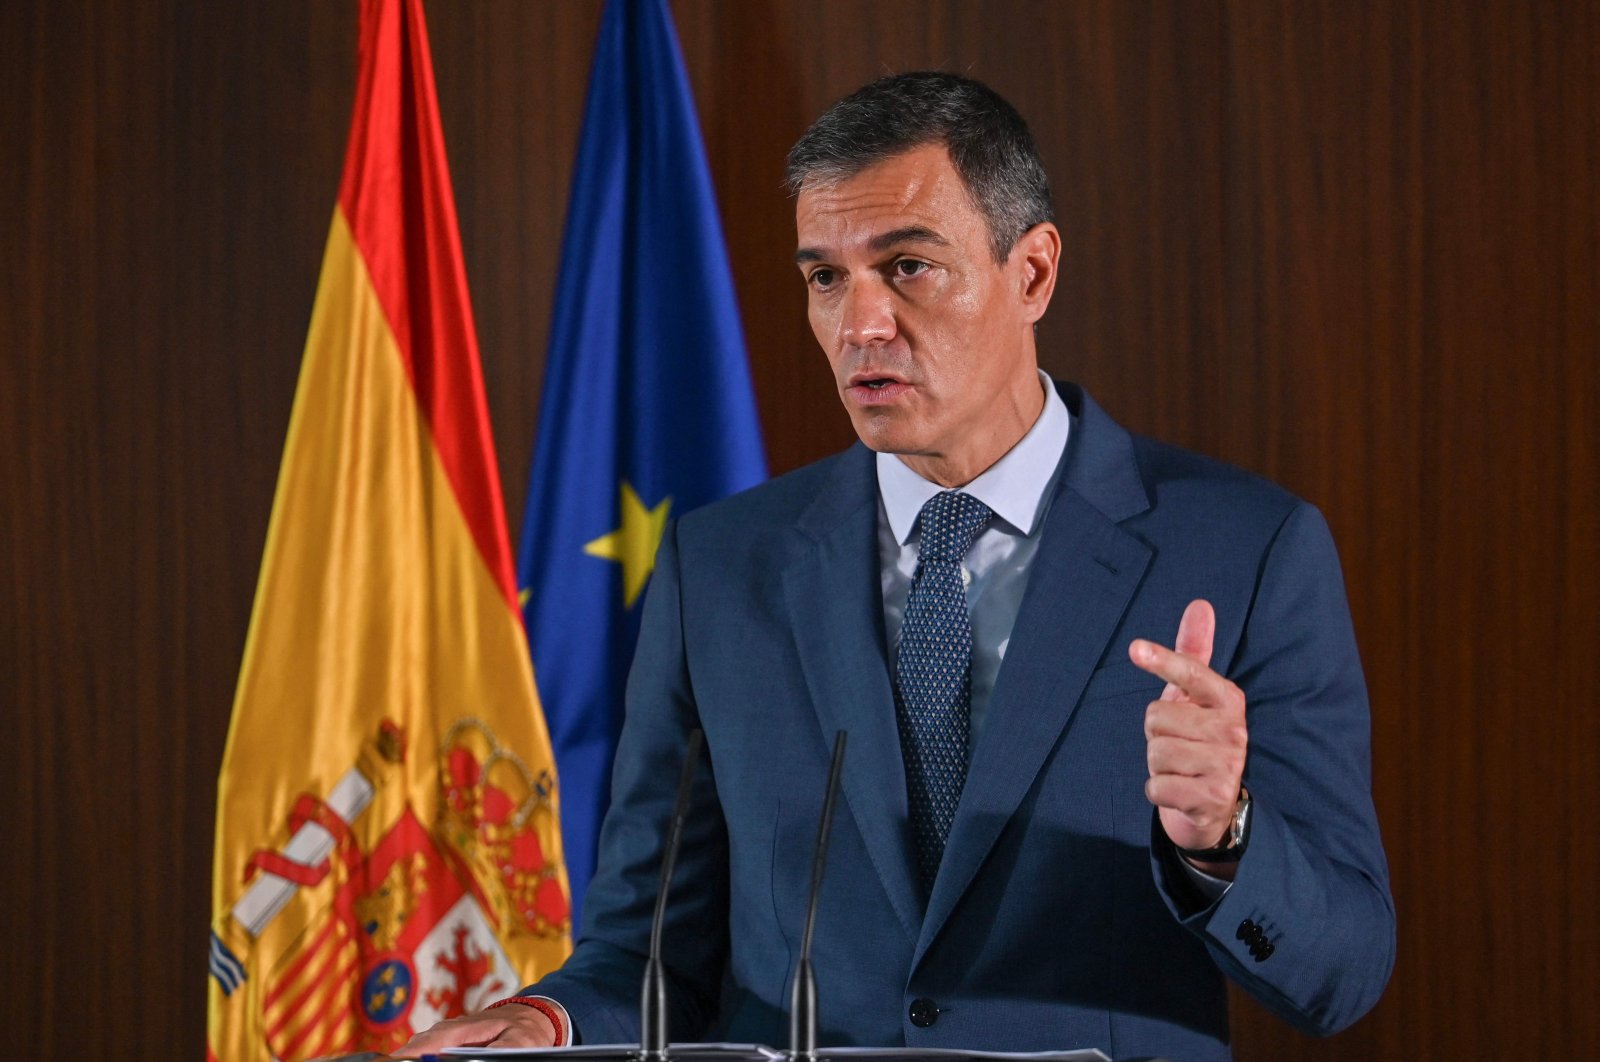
1057	919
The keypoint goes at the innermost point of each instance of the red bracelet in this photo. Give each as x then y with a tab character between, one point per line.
543	1008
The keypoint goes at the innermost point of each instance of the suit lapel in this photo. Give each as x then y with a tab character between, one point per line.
1083	577
832	584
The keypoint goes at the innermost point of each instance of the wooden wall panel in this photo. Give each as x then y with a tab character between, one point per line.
1349	246
165	179
1410	238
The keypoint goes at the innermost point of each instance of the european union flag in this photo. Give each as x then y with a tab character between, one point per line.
647	408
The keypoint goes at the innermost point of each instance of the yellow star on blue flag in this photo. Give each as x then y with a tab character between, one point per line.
634	544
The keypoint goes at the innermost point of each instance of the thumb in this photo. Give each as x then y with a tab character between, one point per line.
1196	631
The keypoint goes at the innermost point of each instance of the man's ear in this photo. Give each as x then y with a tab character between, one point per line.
1036	256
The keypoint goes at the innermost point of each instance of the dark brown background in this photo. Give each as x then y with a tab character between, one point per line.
1351	246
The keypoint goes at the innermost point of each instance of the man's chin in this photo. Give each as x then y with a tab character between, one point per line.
885	431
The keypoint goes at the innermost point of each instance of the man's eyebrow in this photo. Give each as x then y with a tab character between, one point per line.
908	234
881	242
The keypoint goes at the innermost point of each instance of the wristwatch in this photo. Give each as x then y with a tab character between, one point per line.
1231	850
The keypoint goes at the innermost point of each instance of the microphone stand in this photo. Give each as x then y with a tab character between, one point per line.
803	999
653	997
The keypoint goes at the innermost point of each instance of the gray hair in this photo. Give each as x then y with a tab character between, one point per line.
988	142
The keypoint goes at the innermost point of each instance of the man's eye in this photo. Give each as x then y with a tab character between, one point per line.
821	278
909	267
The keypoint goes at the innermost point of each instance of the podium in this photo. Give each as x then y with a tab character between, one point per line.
760	1053
738	1053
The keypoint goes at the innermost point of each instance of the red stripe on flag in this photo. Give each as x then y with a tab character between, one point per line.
292	1010
397	198
337	1003
307	954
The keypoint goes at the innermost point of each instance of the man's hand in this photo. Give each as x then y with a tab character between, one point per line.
1195	737
513	1026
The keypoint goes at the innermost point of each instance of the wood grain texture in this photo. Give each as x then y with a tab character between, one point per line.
1350	246
1412	278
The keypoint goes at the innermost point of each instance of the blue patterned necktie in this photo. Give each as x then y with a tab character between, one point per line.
933	673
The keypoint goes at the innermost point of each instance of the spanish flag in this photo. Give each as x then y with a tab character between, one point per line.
388	848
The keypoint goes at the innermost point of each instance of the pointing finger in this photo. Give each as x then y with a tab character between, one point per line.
1185	675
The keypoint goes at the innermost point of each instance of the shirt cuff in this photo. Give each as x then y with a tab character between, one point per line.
1211	888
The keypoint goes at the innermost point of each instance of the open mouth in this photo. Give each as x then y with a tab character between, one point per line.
875	380
868	389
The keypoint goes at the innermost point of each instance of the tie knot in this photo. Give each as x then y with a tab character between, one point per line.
951	521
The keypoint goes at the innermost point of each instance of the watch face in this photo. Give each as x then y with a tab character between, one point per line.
1241	823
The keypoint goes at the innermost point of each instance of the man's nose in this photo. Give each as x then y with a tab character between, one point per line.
867	315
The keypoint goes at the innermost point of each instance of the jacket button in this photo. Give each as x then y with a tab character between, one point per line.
1264	952
924	1012
1246	928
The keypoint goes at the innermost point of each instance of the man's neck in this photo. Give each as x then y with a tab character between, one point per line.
988	444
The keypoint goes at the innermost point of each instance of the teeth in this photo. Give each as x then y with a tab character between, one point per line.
875	384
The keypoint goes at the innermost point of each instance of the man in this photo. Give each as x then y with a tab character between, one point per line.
1056	831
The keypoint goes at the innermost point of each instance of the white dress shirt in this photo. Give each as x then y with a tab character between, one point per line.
1018	487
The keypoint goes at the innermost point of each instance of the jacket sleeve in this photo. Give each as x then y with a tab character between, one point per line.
1308	925
600	983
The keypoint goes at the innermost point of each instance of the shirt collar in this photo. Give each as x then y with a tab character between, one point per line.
1014	486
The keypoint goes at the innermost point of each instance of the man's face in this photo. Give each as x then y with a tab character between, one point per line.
930	339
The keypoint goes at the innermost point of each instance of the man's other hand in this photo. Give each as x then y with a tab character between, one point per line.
1195	737
513	1026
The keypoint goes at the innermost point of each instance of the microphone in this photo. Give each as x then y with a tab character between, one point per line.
653	998
803	1000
